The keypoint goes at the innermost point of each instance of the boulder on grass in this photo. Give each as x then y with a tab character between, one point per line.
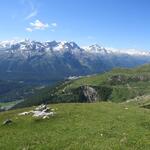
7	121
42	111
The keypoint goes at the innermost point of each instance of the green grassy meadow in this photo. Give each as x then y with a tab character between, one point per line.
86	126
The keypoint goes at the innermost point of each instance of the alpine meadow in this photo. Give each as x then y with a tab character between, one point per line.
75	75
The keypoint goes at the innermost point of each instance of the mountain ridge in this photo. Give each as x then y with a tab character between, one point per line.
59	45
28	60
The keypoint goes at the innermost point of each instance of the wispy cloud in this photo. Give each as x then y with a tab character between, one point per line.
32	14
53	26
33	11
31	7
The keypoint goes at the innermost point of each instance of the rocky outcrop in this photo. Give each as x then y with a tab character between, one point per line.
117	79
42	111
88	94
123	79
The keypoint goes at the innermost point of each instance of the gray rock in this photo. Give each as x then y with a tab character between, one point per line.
89	94
7	121
42	111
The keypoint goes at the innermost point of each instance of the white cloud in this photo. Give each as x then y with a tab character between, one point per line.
29	29
53	26
38	25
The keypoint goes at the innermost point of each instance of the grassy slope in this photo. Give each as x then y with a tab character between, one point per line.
121	91
141	101
129	88
96	126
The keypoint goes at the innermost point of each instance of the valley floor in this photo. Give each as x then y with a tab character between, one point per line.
96	126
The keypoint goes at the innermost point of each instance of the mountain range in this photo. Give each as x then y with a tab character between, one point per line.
34	61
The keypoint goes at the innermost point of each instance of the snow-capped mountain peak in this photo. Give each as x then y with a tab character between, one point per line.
96	49
5	44
46	60
63	46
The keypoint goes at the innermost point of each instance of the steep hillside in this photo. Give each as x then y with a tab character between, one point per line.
13	90
117	85
96	126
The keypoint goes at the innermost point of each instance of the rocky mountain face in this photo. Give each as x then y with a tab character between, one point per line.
88	94
42	61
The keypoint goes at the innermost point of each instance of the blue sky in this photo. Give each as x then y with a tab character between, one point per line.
110	23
